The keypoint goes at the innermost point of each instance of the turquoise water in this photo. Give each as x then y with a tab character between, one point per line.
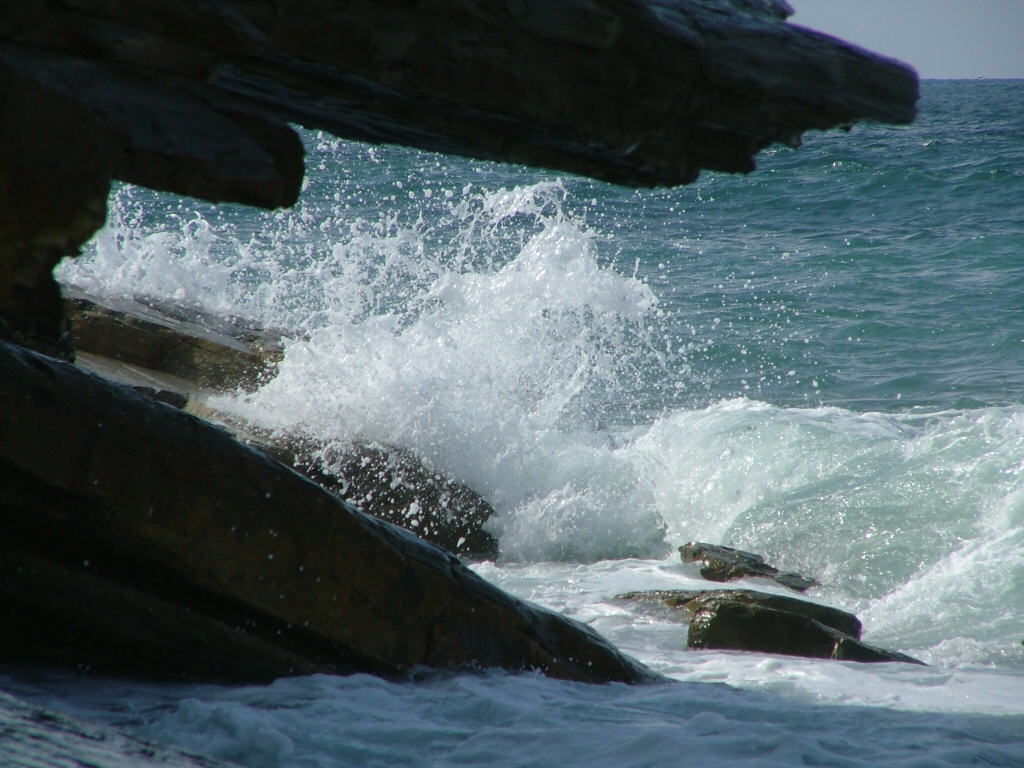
822	361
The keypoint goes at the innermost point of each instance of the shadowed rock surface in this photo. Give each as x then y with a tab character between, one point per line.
195	97
727	564
746	620
109	497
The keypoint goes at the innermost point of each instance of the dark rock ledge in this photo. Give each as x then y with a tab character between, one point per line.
195	98
140	539
392	484
179	356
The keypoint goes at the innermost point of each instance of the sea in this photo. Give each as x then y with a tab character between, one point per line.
821	362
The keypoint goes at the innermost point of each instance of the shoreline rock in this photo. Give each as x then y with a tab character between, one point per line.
199	351
747	620
180	359
681	599
392	484
103	482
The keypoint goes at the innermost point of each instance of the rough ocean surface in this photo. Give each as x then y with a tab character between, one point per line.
821	363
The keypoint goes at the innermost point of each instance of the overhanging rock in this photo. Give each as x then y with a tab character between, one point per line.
194	97
634	91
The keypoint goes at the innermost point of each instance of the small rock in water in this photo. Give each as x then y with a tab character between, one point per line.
827	615
726	624
746	620
728	564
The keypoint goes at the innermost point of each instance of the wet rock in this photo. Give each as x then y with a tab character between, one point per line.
88	616
392	484
41	738
129	514
728	564
177	356
722	623
385	481
830	617
745	620
193	349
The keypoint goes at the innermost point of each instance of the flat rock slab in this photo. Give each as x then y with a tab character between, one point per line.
197	350
160	512
721	563
746	620
35	737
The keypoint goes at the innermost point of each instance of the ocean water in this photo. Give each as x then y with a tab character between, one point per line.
822	362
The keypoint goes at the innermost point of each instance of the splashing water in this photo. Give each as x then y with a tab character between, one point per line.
619	372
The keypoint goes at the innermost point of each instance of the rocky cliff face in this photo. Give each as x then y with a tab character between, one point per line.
194	97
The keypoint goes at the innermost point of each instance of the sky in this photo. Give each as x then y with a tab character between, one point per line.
939	38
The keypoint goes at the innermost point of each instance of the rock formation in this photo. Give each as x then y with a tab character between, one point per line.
720	563
140	539
179	356
111	499
746	620
185	350
392	484
194	97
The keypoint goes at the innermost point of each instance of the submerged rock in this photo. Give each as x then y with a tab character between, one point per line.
727	564
128	515
746	620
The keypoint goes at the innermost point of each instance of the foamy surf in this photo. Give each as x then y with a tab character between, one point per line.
503	348
789	363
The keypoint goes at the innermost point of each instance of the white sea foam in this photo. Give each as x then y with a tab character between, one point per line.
496	343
